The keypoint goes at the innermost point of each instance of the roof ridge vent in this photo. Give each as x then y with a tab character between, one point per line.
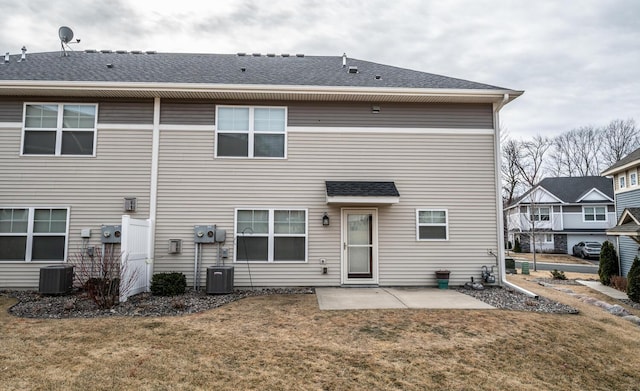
121	51
285	54
300	55
241	54
271	54
106	51
151	52
136	52
353	69
256	54
91	51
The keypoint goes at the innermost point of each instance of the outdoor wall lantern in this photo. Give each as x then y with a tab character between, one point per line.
325	219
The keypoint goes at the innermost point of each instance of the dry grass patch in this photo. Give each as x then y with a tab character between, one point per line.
549	258
286	343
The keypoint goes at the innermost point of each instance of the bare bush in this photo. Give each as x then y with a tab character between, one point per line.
100	276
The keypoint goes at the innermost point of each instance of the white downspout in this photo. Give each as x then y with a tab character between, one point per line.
153	191
499	207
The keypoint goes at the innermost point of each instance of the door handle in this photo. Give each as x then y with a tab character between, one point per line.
345	245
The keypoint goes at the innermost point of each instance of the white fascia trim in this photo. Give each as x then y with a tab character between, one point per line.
362	200
624	214
621	168
591	191
320	129
497	95
10	125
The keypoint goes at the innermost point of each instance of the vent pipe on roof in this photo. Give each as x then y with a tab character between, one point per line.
344	60
23	57
6	57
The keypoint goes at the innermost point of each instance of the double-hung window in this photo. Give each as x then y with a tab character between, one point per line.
432	224
595	213
251	132
540	214
271	235
33	234
633	179
622	181
59	129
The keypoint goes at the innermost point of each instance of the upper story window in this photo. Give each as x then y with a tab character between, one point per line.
59	129
253	132
33	234
540	214
594	213
633	179
432	224
622	181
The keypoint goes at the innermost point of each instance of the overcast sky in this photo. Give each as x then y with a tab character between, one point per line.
578	61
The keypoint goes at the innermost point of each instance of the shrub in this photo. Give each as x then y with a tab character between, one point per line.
100	276
619	283
558	274
168	284
516	246
633	281
608	263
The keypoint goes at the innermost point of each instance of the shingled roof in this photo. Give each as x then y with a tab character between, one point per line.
572	189
630	158
294	70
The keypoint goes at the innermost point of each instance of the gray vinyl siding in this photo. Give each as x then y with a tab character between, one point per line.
628	248
397	115
93	188
326	114
572	209
430	171
187	112
10	110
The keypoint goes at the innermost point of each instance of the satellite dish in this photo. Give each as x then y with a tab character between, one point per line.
65	34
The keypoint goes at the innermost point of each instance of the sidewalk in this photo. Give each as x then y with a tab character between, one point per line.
596	285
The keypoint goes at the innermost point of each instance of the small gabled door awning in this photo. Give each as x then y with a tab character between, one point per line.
362	193
628	224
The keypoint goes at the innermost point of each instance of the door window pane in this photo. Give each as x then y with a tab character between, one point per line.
359	232
359	259
40	142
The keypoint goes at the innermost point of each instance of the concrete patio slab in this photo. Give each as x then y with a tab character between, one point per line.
393	298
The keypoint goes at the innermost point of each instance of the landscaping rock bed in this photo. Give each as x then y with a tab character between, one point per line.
33	305
511	300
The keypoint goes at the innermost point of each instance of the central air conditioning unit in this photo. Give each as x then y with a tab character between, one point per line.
204	234
110	233
219	280
56	280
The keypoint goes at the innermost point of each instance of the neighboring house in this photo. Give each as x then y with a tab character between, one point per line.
324	171
627	197
558	213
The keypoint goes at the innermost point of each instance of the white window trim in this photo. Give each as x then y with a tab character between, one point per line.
59	129
532	215
271	235
446	224
30	234
584	214
622	180
542	238
251	133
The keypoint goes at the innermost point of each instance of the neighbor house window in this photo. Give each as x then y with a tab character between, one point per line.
595	213
432	224
33	234
254	132
59	129
540	214
622	181
633	179
271	235
545	238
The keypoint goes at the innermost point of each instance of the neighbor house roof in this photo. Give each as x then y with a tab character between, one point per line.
572	189
150	71
631	159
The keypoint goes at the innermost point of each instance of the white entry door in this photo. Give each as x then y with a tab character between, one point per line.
359	246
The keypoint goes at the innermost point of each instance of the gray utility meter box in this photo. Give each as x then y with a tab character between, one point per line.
219	280
110	233
204	234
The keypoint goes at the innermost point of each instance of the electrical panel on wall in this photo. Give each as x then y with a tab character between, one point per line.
110	233
204	234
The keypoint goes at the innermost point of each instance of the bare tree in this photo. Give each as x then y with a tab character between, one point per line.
531	164
511	177
576	153
619	138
